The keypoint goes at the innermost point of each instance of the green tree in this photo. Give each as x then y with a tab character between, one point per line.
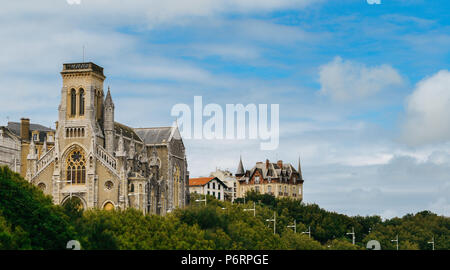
24	205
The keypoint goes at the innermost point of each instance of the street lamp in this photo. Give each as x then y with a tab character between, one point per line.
353	235
432	243
274	220
252	209
395	240
293	226
308	231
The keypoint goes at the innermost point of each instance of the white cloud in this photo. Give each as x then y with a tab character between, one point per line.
428	111
346	80
151	12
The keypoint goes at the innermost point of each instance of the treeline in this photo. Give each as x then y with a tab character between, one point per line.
29	220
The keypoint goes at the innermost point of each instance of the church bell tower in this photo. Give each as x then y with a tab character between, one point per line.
82	92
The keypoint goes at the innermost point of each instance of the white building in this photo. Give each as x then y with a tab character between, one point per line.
228	179
208	185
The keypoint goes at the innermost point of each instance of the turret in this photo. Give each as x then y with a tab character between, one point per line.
108	122
300	170
240	171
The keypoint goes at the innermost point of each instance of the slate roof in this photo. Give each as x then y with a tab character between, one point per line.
273	170
14	127
126	131
240	170
156	135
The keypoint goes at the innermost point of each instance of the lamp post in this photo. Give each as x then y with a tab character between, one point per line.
293	226
252	209
395	240
308	231
353	235
432	242
274	220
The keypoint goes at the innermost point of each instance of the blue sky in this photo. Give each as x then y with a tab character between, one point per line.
364	90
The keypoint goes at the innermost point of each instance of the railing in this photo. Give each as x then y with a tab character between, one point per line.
107	159
45	160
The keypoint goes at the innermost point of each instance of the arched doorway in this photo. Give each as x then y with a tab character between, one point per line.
74	202
108	206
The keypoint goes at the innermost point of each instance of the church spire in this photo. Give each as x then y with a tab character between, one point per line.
108	99
108	122
240	170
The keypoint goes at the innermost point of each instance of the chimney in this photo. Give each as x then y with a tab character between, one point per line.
280	164
267	164
24	128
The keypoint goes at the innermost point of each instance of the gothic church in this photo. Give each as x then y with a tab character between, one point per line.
90	157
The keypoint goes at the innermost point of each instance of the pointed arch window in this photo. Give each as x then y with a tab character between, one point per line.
73	102
76	167
81	101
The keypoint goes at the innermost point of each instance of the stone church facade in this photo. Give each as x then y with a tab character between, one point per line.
91	157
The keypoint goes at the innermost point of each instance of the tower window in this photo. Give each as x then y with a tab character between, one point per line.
73	102
81	102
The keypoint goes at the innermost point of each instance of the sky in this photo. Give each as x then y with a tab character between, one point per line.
363	89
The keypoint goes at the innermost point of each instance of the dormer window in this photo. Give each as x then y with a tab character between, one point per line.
257	180
35	137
